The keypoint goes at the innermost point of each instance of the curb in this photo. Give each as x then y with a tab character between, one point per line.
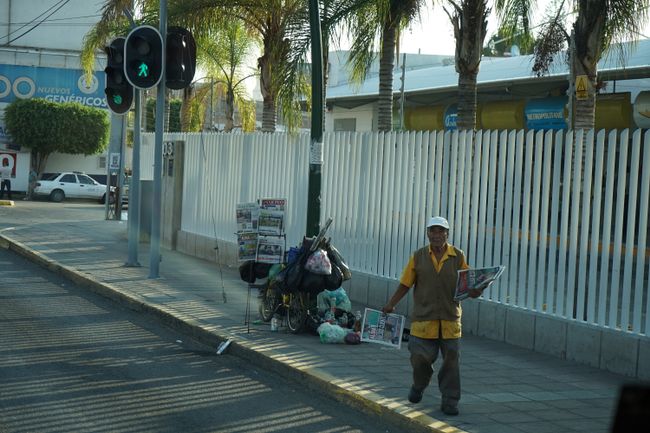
368	402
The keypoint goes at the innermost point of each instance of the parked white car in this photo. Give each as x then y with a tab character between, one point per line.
59	186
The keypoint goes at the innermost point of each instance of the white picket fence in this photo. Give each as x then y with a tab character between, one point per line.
569	221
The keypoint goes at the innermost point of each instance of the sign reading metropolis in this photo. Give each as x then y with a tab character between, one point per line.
52	84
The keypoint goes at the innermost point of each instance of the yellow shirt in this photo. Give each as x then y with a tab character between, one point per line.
432	328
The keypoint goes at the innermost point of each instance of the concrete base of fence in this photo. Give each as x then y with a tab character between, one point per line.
608	349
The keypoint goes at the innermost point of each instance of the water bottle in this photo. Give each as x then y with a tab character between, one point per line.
357	321
274	324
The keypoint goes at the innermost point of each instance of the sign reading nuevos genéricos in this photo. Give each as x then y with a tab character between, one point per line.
52	84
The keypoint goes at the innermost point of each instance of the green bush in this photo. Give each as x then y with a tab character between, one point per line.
46	127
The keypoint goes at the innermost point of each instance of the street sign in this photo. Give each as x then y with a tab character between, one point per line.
582	87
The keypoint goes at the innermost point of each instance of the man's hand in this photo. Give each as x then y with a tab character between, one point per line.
388	308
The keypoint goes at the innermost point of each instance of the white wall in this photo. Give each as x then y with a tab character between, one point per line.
365	115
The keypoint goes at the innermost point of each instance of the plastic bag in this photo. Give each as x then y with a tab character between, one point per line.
338	299
337	259
331	333
319	263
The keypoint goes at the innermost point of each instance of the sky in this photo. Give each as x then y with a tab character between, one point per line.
434	34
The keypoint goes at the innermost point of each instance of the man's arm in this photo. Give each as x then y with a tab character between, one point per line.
394	300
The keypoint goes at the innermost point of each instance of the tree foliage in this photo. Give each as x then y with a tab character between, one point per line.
374	29
46	127
598	25
174	123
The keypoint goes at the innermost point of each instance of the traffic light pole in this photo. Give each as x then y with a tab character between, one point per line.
134	187
316	149
154	255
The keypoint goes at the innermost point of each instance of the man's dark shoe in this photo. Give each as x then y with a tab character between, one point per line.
415	395
448	409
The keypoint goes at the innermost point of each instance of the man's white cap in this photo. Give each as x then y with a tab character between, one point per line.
438	221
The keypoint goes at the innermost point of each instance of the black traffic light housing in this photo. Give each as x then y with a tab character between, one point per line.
143	57
180	59
119	92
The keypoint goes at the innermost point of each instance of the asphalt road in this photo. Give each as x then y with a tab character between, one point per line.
71	361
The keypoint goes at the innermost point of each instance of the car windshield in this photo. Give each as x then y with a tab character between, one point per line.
49	176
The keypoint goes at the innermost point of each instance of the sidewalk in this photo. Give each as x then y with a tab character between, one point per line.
505	389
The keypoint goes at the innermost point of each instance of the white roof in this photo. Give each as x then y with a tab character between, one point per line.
502	69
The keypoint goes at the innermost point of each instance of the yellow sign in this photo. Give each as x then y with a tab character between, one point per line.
582	87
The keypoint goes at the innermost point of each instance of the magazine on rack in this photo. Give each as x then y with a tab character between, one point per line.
270	249
271	216
247	242
477	278
382	328
247	214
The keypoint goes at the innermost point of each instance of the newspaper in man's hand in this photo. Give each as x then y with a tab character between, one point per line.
479	278
379	327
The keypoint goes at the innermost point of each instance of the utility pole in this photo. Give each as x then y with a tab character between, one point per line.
154	254
134	188
316	144
572	81
401	91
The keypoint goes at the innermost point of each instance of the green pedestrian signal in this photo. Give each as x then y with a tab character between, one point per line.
143	57
143	70
119	92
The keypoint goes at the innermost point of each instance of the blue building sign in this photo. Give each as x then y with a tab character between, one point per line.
450	117
547	113
52	84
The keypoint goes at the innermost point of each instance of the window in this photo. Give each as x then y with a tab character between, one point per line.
85	179
102	161
70	178
49	176
349	124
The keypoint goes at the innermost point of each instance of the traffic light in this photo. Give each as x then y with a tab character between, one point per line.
143	57
119	93
180	59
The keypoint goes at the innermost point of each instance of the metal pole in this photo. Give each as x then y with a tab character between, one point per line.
134	188
120	171
154	256
572	81
401	103
316	145
211	104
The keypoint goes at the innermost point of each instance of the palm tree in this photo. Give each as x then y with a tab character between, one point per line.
333	13
224	55
598	25
380	20
469	21
269	21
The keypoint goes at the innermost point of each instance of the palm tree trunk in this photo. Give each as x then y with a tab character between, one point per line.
466	100
588	34
186	110
268	94
386	65
230	109
585	109
470	27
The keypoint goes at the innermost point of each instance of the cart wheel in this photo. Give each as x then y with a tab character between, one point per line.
297	312
268	303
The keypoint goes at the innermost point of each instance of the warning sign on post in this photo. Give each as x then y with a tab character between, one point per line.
582	87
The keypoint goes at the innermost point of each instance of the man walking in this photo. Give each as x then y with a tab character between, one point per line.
435	319
5	179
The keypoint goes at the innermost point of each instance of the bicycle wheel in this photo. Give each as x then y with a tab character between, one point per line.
297	312
269	302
